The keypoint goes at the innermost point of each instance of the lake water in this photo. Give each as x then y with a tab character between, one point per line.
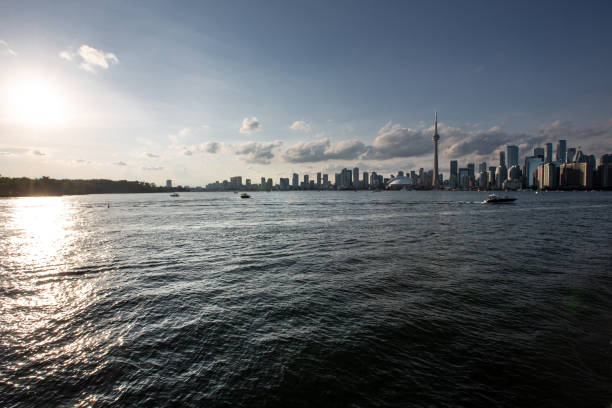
306	299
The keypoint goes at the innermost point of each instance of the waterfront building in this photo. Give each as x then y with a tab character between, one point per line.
471	172
561	151
399	183
483	180
531	166
365	183
604	171
236	182
453	174
248	182
514	173
436	138
547	176
500	176
491	177
319	180
571	152
326	181
512	155
575	175
284	183
169	183
482	167
548	153
296	180
464	178
356	177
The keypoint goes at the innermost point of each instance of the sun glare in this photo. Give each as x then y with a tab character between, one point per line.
36	102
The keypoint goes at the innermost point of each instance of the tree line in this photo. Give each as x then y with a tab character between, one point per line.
45	186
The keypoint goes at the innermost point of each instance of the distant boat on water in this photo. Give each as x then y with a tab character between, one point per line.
493	199
245	195
174	195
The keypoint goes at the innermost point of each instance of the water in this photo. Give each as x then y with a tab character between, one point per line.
306	299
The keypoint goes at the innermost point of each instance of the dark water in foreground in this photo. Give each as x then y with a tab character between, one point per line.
306	299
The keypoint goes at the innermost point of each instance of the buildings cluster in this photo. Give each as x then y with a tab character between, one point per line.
569	169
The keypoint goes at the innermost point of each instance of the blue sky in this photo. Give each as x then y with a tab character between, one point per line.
200	91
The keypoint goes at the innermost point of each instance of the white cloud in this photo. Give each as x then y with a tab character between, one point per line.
8	49
66	55
152	156
300	125
180	135
92	58
38	153
154	168
120	163
323	149
257	152
250	125
208	147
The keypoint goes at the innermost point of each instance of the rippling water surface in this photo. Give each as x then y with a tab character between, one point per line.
306	299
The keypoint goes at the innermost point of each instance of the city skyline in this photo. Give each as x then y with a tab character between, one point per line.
275	89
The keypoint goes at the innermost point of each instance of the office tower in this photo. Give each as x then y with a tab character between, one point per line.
464	178
575	175
296	180
356	177
374	179
470	168
325	180
531	165
548	179
306	182
365	179
561	151
548	153
482	167
571	152
512	156
319	180
538	152
169	183
236	182
269	184
263	181
502	159
436	137
604	171
500	176
453	174
248	182
284	183
337	180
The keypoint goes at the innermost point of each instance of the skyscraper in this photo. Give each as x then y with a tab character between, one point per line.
319	180
538	152
296	180
502	158
355	177
571	152
561	150
169	183
548	153
453	180
436	137
512	155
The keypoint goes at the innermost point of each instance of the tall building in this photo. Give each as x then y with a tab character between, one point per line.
319	180
169	183
464	178
471	169
604	171
365	180
531	165
236	182
482	167
571	152
575	175
538	152
502	158
548	153
296	180
356	177
306	182
512	155
436	137
453	174
561	151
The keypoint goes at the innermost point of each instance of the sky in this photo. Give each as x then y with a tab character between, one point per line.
203	91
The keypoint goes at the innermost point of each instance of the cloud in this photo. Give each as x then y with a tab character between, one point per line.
394	141
92	59
65	55
208	147
152	156
250	125
257	152
154	168
38	153
120	163
323	149
4	45
300	125
180	135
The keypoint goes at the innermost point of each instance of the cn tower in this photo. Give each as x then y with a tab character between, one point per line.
436	137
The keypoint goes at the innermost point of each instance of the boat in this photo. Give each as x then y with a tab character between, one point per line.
245	195
493	199
174	195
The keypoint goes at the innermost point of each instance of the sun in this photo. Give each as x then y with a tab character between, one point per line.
37	102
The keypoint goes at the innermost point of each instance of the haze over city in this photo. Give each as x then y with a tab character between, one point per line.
150	91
